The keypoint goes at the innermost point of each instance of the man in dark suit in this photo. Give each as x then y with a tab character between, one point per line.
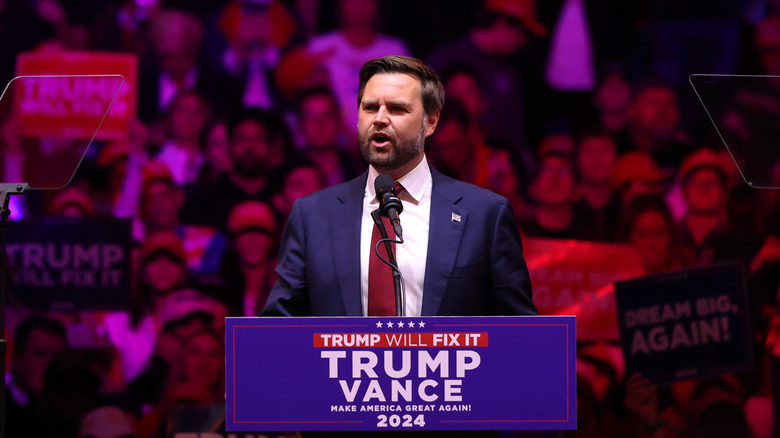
462	253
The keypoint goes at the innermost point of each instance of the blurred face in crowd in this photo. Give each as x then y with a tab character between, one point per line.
392	125
203	359
596	159
188	116
302	181
465	88
654	111
164	273
451	147
162	202
651	236
320	121
359	14
253	247
554	184
249	149
29	365
176	36
216	147
704	192
611	99
504	37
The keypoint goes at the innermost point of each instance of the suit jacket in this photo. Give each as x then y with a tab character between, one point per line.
475	265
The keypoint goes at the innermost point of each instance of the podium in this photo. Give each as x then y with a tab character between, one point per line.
401	373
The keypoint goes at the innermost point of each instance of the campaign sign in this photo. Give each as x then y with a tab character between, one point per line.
74	107
403	373
570	277
686	324
69	263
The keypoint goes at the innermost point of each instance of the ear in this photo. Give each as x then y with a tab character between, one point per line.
431	122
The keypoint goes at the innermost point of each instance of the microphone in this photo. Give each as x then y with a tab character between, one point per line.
389	204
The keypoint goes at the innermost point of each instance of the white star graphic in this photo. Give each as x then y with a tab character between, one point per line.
421	324
379	324
411	324
400	324
390	324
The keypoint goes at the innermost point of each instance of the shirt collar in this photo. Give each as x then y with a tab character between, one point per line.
415	182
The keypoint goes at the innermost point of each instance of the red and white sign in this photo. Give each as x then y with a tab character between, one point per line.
73	104
571	277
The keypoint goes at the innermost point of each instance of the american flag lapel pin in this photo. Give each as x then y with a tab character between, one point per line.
455	217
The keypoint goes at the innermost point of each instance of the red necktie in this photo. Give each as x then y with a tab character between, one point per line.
381	292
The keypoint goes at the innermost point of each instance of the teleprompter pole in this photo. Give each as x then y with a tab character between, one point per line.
6	190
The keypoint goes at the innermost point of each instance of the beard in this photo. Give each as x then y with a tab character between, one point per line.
400	152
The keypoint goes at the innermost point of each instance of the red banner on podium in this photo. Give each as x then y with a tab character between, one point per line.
73	108
571	277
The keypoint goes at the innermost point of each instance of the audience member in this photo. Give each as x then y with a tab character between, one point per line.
344	51
636	174
253	135
161	205
598	208
654	124
648	226
249	266
37	340
176	37
705	226
553	191
324	137
297	180
501	30
182	151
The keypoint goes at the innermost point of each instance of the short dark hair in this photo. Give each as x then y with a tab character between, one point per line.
268	119
307	93
25	329
431	88
463	69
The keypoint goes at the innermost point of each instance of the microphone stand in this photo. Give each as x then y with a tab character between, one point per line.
398	281
6	190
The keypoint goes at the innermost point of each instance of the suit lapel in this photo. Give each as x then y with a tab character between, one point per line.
445	233
344	224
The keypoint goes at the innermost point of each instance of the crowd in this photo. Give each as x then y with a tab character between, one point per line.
578	111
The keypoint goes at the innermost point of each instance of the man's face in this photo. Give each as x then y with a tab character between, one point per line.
164	274
650	236
554	183
466	89
392	125
162	202
704	192
655	110
29	366
249	149
300	182
320	121
596	159
253	247
188	118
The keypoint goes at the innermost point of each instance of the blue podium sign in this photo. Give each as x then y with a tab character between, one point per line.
381	373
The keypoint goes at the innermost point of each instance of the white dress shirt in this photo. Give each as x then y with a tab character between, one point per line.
415	220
